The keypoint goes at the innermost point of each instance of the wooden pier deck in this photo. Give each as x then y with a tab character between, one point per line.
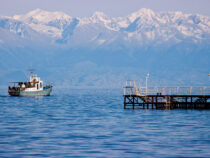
166	97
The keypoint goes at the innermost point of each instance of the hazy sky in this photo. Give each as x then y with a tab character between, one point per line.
110	7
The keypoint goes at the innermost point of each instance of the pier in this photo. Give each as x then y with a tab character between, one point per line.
165	97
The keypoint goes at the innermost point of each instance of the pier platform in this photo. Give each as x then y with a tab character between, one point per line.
165	97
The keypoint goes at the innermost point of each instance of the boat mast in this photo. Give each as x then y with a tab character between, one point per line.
31	72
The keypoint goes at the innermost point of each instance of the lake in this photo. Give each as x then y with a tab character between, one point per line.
93	123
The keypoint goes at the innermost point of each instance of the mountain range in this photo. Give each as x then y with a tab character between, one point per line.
103	51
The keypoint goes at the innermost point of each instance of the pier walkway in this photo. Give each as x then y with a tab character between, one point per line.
165	97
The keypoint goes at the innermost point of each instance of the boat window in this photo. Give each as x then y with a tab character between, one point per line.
37	86
40	85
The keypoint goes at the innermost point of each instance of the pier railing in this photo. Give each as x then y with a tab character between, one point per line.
132	89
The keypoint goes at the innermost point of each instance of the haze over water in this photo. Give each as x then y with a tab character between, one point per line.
93	123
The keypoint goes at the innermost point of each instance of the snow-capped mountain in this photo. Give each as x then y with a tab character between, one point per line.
141	27
14	26
49	23
104	50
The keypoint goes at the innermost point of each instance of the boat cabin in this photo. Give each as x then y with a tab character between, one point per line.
34	84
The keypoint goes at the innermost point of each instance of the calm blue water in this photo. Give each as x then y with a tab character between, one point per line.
93	123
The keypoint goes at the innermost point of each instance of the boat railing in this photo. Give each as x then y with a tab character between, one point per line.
132	89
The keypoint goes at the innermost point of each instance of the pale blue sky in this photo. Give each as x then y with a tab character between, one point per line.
115	8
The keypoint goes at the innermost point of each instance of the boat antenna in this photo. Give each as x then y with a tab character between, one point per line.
31	72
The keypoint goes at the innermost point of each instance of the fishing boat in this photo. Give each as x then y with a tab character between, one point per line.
33	87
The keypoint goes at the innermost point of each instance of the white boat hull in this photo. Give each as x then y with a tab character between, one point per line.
45	92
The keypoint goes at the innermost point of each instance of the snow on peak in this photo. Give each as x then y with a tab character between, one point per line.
144	12
42	16
99	17
98	14
35	12
51	23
